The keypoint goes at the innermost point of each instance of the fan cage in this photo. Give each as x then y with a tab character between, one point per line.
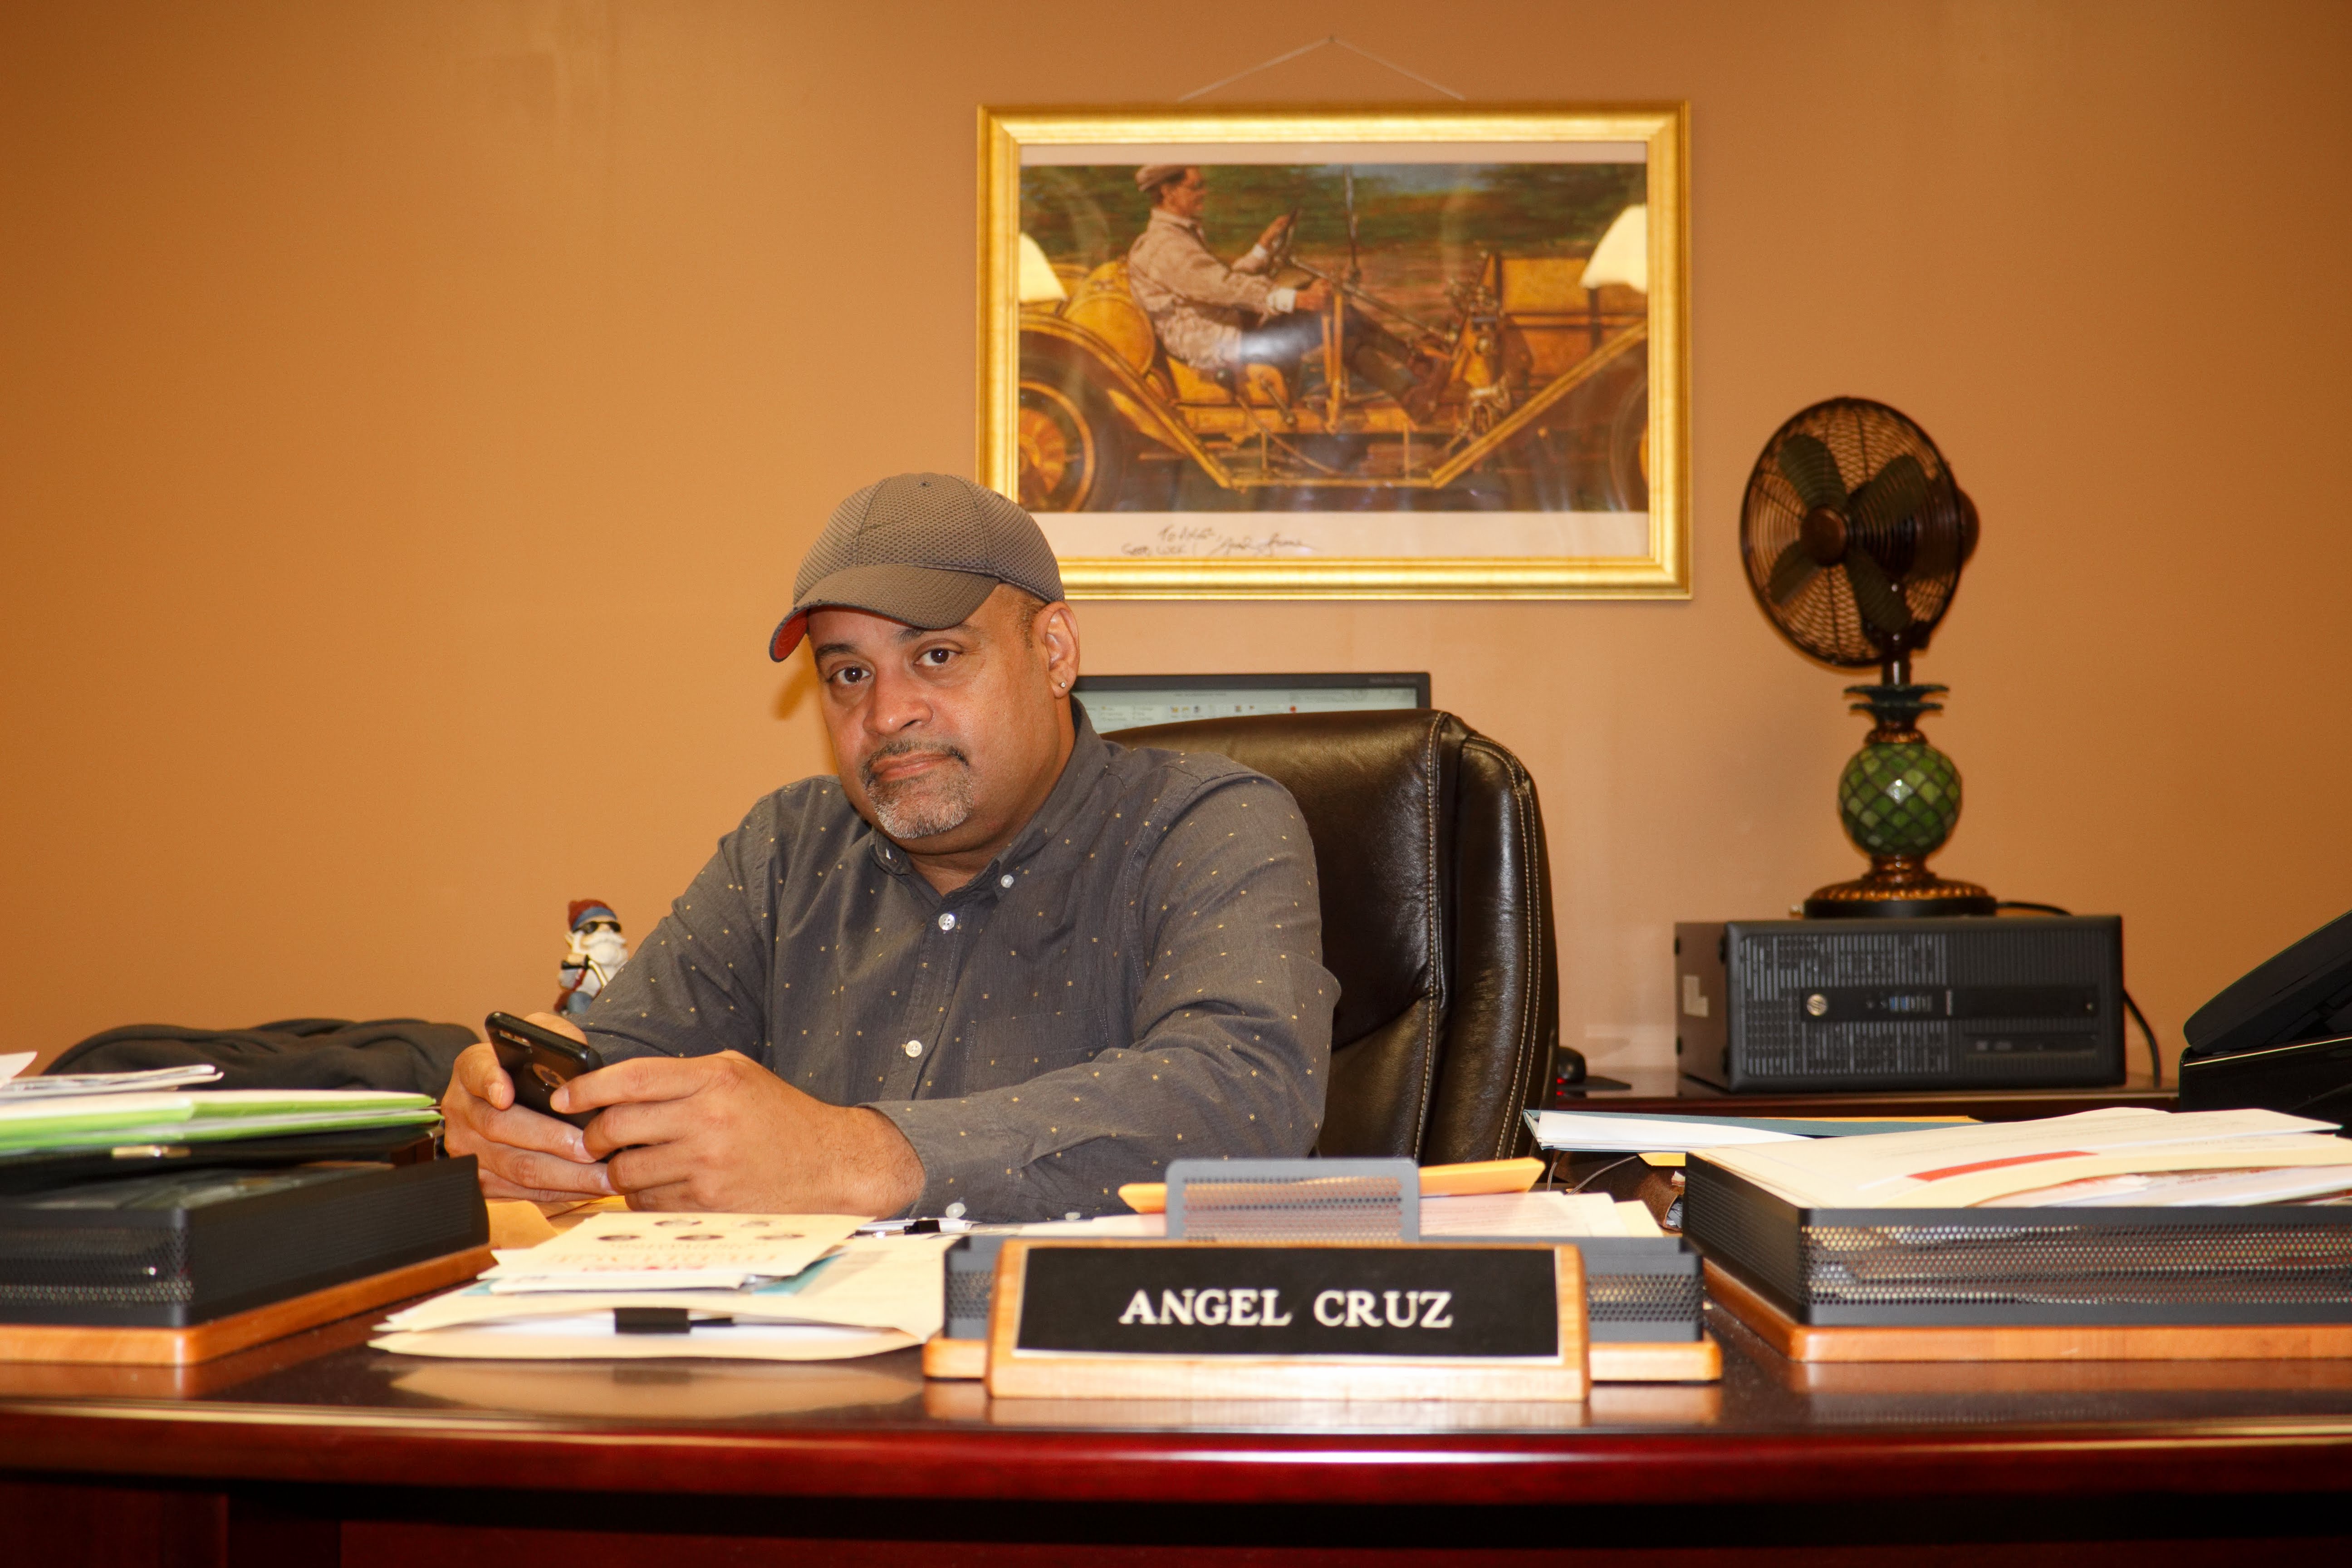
1822	618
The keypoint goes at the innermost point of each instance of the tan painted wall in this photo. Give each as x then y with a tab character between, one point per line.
413	412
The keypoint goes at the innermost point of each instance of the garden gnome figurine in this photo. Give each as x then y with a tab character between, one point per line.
597	951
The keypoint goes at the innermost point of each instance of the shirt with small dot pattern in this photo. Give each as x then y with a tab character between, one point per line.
1137	978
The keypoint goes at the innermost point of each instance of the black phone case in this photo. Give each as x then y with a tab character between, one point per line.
539	1061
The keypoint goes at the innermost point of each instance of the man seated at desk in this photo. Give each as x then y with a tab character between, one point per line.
996	967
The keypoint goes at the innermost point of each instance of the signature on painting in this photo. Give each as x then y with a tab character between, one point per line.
1192	541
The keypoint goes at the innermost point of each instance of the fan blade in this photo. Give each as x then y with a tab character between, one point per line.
1807	464
1881	604
1939	554
1896	491
1790	572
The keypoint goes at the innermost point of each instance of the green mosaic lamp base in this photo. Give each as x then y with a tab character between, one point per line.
1899	799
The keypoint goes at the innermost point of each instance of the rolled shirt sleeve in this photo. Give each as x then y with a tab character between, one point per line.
696	984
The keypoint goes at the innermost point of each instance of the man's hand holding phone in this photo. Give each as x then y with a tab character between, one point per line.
523	1154
716	1133
722	1132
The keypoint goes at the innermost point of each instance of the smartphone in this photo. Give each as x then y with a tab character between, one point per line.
539	1061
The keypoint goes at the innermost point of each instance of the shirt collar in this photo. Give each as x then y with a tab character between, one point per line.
1089	756
1163	215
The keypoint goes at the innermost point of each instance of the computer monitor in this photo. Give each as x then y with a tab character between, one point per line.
1130	702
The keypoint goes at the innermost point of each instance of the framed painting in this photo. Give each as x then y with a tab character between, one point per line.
1310	354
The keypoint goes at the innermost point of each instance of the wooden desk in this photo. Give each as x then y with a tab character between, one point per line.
317	1450
1661	1091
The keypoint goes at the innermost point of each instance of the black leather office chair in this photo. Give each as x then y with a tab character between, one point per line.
1436	918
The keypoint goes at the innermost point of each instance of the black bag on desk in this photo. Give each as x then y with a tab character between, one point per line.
406	1054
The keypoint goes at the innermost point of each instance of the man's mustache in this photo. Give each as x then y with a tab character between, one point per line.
890	749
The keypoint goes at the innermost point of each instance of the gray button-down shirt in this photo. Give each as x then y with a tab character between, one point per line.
1136	979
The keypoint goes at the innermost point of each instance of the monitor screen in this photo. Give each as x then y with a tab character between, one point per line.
1130	702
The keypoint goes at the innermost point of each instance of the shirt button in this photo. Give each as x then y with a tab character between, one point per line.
913	1048
947	920
954	1211
1005	880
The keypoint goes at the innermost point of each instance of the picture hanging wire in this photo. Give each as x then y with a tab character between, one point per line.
1324	41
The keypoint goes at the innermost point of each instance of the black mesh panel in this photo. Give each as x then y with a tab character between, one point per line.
93	1267
1642	1297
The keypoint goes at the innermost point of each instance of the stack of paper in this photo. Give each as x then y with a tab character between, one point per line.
72	1083
2188	1189
48	1122
757	1287
1620	1132
2062	1160
1562	1216
15	1087
673	1252
1538	1216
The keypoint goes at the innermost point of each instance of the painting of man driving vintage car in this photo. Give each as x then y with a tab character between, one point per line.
1459	355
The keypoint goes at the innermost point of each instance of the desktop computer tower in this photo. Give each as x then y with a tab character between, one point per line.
1825	1005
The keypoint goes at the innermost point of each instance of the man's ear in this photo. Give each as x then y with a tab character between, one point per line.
1054	630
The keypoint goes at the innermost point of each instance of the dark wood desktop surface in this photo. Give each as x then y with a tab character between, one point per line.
1662	1091
318	1451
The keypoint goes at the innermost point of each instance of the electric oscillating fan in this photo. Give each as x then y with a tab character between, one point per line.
1853	535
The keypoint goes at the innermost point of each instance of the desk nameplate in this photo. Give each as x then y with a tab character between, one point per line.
1310	1320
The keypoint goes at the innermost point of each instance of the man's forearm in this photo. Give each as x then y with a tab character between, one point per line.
1068	1141
885	1172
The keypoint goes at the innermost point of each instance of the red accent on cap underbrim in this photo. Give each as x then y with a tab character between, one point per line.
789	632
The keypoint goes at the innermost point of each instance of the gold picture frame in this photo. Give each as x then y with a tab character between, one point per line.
1238	479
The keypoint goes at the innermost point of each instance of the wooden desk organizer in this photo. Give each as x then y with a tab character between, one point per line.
2024	1341
205	1342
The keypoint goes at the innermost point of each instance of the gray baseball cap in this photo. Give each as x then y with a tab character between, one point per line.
925	549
